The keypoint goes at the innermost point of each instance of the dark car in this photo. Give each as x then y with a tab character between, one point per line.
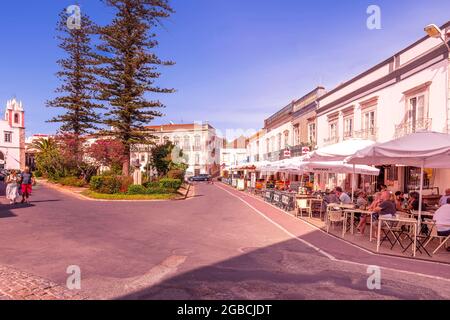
3	174
200	177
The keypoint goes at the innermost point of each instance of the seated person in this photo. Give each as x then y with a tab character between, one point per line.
442	218
399	201
443	200
385	208
361	202
413	202
365	219
344	198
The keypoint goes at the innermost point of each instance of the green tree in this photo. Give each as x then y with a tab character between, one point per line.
161	158
76	93
128	68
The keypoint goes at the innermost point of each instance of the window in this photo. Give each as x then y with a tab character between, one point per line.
166	140
297	135
16	118
312	133
368	122
186	143
416	111
333	130
8	137
197	142
272	147
279	142
348	127
176	141
267	145
286	139
197	159
142	157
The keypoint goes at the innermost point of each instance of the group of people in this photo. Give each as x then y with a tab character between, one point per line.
385	203
19	184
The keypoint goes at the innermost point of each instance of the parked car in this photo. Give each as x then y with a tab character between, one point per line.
200	177
3	174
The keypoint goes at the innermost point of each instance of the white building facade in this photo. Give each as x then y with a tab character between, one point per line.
198	141
403	94
12	136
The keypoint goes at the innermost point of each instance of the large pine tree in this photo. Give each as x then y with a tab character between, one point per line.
77	91
128	69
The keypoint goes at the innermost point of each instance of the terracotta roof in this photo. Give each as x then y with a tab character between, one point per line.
173	127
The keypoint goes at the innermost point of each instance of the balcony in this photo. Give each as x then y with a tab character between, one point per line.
331	140
197	148
349	135
412	126
367	134
272	156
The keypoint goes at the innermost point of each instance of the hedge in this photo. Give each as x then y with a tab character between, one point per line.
136	189
72	182
173	184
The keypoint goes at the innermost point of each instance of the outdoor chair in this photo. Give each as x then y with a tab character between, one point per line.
303	205
335	217
434	235
399	231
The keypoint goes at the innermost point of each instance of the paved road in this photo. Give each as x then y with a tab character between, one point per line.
219	245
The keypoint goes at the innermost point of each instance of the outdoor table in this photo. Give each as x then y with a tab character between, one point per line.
352	220
386	220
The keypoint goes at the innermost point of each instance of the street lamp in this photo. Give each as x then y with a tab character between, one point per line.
435	32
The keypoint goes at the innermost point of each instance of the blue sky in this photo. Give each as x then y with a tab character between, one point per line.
238	61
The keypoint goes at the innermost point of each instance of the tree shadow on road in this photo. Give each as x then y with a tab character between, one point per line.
287	271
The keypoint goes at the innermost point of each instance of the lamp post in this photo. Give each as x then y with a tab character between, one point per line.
435	32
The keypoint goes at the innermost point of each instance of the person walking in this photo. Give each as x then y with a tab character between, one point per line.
12	187
27	184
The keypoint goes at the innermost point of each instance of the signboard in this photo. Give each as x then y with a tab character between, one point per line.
305	150
287	153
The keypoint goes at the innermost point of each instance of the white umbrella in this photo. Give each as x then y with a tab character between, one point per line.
420	149
339	152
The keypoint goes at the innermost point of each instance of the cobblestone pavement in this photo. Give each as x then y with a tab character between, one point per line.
18	285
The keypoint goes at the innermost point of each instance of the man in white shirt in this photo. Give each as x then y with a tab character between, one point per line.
443	200
442	218
343	197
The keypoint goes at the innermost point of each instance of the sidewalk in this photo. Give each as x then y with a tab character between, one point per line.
334	247
18	285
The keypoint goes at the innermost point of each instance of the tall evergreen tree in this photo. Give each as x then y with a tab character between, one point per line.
128	69
76	94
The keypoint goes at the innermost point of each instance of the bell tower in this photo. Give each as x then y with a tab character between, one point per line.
15	114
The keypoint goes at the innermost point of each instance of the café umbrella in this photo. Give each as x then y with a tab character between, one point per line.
421	149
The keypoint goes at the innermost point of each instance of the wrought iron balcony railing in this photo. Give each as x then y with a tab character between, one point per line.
412	126
348	135
331	140
367	134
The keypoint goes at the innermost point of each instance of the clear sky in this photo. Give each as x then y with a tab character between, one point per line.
238	61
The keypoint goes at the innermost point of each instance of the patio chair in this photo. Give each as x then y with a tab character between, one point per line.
335	217
398	230
303	205
434	235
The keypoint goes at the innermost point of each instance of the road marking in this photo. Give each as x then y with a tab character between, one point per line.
327	255
169	266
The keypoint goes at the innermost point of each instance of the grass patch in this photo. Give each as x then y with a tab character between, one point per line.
102	196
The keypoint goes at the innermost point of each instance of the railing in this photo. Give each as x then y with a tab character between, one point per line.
409	127
197	148
367	134
348	135
331	140
272	156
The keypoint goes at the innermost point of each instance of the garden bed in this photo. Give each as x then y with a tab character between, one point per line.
118	196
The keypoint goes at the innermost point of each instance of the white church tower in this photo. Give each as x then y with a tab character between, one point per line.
12	136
